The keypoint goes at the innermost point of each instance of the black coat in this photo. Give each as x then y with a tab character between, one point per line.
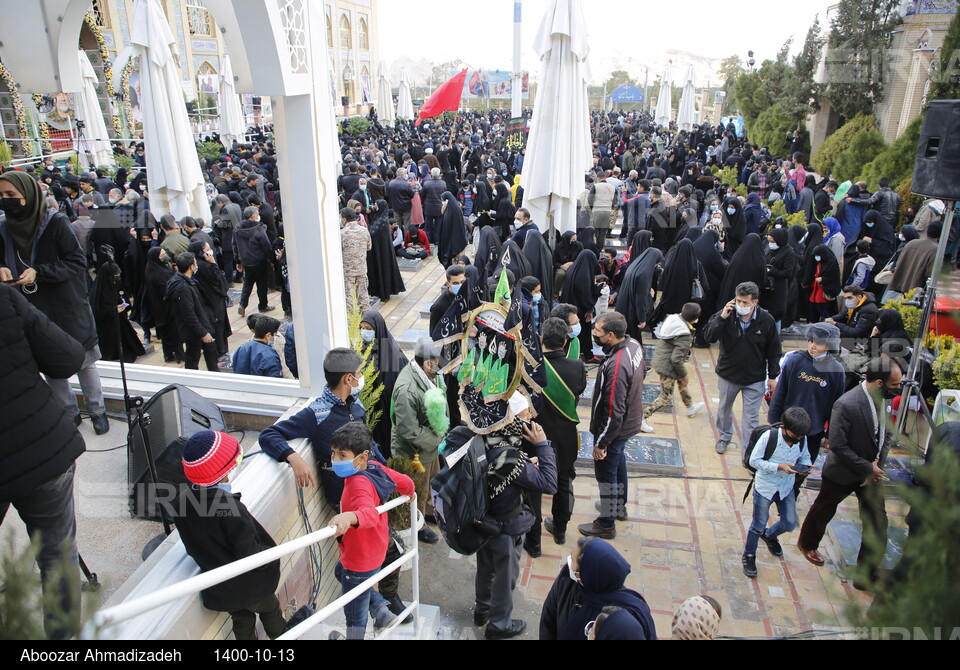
562	432
191	316
216	529
38	440
61	282
782	267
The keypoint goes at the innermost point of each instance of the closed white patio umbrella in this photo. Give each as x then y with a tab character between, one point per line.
559	146
173	168
664	113
95	140
232	124
385	108
687	113
405	101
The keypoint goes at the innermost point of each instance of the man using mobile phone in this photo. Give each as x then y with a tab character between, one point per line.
774	484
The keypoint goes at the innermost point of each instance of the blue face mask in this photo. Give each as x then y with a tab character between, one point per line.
731	211
345	469
575	332
455	288
367	335
536	298
817	258
869	225
820	357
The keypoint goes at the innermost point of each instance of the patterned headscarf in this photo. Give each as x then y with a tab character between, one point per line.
696	620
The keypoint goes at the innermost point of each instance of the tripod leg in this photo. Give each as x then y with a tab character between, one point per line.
92	583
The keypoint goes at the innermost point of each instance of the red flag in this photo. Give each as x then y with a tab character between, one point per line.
445	99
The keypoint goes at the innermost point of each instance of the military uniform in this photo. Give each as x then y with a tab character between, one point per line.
356	242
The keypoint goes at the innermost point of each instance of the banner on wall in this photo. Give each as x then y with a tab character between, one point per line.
492	85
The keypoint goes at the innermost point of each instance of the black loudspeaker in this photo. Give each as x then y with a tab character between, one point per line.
936	172
345	100
176	413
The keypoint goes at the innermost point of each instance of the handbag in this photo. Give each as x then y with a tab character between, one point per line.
696	290
885	276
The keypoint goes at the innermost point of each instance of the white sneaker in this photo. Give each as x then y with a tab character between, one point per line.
646	427
693	410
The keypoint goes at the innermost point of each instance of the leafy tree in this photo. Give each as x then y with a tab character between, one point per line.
751	97
860	33
945	71
441	72
801	97
731	68
771	129
864	147
897	160
829	152
617	79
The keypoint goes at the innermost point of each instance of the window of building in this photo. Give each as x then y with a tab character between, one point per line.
346	34
363	34
329	32
100	16
199	19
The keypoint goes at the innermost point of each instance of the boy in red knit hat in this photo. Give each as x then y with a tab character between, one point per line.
363	533
216	529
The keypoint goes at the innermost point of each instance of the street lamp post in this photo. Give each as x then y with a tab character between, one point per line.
517	87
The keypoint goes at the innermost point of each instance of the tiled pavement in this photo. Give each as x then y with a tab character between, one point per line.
684	535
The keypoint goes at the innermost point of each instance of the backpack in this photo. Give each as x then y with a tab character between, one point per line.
773	433
461	500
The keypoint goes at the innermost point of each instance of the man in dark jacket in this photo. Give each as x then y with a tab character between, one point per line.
858	449
858	317
616	416
887	202
431	192
557	413
253	251
193	322
38	446
749	346
226	219
823	201
217	529
399	195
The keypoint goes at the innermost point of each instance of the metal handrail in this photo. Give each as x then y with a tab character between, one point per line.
127	610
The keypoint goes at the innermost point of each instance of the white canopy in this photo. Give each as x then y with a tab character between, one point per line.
559	145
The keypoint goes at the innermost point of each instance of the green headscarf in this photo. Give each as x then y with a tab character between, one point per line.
24	228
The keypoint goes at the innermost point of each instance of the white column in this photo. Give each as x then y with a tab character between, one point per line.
516	107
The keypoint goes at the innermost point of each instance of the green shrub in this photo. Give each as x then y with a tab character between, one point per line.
357	126
907	199
829	152
6	154
210	150
372	385
771	128
896	161
728	175
864	147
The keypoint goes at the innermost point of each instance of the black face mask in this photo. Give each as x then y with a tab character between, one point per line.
12	207
596	340
890	394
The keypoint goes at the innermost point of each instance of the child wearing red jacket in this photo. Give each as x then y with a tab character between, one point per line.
363	533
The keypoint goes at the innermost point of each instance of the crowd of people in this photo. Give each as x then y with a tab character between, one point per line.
701	265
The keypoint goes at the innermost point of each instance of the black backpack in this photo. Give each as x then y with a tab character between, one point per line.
773	434
460	497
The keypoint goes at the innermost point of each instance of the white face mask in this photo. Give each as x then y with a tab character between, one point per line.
574	575
355	390
744	311
774	246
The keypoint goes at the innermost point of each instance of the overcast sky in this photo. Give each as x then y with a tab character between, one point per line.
480	32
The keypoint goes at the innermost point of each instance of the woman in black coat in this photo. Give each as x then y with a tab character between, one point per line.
781	275
735	225
107	301
810	241
679	274
541	266
714	267
487	260
156	276
213	289
823	279
564	254
580	290
635	299
451	232
747	264
504	209
383	273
